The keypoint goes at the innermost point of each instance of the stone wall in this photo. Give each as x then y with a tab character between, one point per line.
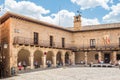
5	39
26	29
82	39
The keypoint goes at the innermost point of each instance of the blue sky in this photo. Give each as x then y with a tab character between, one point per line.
61	12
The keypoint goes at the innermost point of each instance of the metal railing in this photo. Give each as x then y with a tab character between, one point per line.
44	43
22	40
111	45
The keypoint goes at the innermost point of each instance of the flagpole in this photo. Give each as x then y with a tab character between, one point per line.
59	16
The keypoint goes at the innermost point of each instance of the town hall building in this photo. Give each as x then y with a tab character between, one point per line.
28	40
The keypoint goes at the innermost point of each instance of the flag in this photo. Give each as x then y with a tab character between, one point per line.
106	39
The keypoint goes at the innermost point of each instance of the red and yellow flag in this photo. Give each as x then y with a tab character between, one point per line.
106	39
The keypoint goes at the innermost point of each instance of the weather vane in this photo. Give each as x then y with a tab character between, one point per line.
79	12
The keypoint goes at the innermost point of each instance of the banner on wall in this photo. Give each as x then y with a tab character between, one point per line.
106	39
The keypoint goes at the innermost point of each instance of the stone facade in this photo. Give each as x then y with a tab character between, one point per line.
67	46
77	22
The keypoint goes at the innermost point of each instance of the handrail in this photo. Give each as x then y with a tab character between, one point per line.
44	43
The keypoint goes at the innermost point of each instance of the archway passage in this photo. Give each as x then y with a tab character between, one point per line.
118	56
59	59
49	57
107	57
67	59
23	56
38	58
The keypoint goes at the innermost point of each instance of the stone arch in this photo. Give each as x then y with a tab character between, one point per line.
38	57
24	55
49	56
67	57
59	58
22	47
118	55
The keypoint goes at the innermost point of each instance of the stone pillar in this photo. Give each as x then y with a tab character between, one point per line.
63	59
99	56
31	62
73	58
54	61
16	63
114	57
86	58
14	60
44	61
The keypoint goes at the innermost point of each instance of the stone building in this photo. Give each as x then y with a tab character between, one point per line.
30	40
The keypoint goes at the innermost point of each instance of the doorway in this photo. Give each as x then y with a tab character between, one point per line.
107	57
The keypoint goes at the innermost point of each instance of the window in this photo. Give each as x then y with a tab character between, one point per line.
51	41
36	38
96	56
92	43
63	42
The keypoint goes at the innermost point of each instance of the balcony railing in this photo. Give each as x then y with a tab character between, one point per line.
111	45
46	43
22	40
92	46
42	43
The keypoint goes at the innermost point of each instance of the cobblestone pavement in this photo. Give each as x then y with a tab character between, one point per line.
79	73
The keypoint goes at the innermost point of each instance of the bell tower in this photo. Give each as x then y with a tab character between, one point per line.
77	22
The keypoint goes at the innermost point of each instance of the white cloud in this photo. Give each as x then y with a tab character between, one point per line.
66	19
25	8
114	15
86	21
111	1
86	4
62	18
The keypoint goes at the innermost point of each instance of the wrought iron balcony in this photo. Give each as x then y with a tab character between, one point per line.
46	43
92	46
105	46
22	40
111	46
42	43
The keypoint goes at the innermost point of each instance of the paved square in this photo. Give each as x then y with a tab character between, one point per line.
78	73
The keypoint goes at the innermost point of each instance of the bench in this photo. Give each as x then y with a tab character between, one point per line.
101	65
